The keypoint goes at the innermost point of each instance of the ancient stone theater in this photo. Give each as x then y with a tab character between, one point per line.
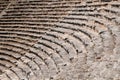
59	39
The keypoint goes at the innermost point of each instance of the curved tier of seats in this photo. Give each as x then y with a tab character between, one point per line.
58	39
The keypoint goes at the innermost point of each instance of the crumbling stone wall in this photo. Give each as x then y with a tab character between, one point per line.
59	39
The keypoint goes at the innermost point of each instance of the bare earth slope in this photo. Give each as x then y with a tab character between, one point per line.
59	39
